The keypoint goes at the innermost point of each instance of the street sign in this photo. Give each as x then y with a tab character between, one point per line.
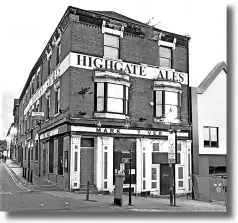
125	151
171	148
122	167
37	115
126	160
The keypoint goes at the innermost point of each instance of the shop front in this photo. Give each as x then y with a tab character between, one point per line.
97	154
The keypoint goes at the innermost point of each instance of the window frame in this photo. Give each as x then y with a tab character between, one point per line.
57	100
48	108
49	65
179	104
105	98
110	46
217	135
170	59
58	53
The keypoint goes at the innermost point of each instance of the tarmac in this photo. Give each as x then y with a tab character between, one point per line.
140	204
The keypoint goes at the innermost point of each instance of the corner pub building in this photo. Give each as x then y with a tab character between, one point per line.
105	82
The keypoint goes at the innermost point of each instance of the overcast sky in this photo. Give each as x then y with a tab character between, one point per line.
26	27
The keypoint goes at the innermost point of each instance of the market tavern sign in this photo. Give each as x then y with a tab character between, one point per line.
124	131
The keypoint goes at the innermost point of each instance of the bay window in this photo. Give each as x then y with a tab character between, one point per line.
112	98
165	102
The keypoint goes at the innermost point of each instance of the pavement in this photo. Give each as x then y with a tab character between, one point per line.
99	202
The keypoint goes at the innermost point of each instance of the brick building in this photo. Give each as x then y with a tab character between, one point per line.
105	83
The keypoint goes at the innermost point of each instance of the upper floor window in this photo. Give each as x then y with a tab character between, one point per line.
47	107
111	46
165	102
38	81
111	98
210	136
57	100
165	56
58	53
49	65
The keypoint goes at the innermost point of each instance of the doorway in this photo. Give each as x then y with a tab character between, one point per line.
165	179
86	162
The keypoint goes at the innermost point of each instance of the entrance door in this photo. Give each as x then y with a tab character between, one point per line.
165	179
86	166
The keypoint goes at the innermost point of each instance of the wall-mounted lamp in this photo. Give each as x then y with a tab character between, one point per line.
142	119
151	103
82	113
99	124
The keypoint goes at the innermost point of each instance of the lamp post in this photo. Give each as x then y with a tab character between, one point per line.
172	153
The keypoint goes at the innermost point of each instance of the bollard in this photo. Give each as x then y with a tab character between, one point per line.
87	195
171	196
31	177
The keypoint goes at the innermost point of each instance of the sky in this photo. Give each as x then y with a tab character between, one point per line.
26	27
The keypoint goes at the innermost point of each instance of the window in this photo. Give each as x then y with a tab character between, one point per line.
51	156
32	88
36	150
111	98
58	54
60	156
165	57
111	46
217	169
38	81
49	65
57	100
48	108
105	165
66	161
31	153
210	135
165	101
180	176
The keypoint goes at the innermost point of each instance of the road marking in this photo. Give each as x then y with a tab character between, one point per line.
14	179
5	193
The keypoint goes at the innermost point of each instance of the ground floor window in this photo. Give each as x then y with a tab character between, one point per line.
121	149
51	156
60	156
217	169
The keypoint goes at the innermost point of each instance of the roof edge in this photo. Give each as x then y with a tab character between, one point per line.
211	77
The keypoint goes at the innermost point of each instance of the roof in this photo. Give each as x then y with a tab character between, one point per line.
118	16
211	77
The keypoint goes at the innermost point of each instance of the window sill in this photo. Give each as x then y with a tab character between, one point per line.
111	58
36	161
110	115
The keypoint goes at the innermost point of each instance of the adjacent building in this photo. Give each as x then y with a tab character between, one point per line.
209	102
102	88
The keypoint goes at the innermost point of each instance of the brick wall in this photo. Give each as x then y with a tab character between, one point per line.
81	78
139	50
87	39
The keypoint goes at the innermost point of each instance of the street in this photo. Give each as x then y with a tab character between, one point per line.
16	195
